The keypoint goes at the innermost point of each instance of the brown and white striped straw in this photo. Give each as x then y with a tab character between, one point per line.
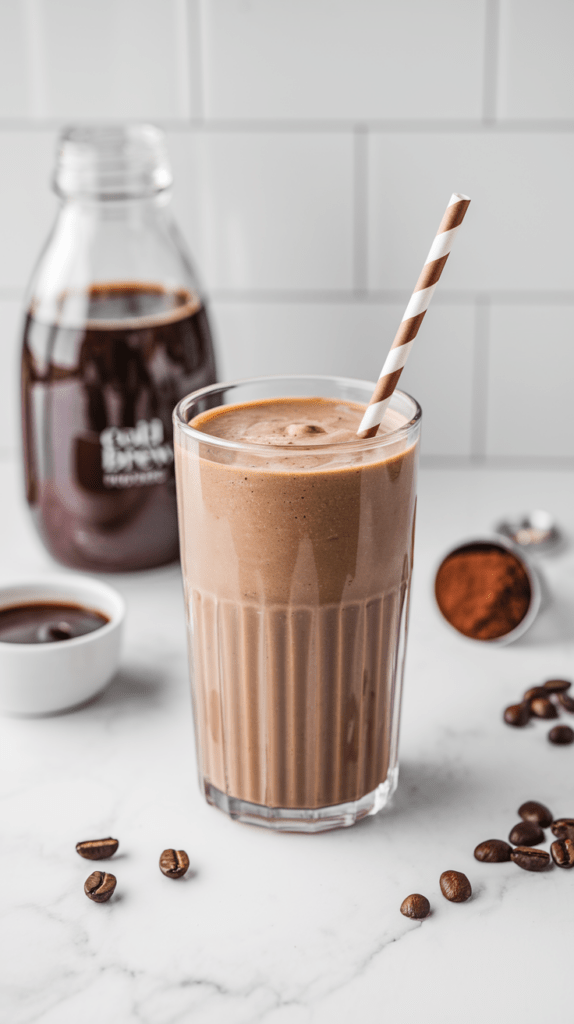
414	314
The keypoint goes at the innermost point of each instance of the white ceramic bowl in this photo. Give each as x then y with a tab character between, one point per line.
39	679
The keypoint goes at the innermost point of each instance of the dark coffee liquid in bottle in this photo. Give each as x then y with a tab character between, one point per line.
97	403
116	334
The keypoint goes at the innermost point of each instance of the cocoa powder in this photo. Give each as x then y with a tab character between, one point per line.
483	590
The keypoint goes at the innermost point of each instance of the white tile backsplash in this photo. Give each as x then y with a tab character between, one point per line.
343	58
27	204
11	322
517	233
351	340
188	204
114	59
439	375
531	369
536	70
15	98
273	211
315	144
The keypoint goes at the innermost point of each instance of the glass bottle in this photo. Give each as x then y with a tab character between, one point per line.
116	334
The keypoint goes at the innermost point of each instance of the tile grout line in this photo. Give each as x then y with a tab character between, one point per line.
382	297
200	72
479	390
364	296
558	463
34	59
490	65
360	208
183	55
414	126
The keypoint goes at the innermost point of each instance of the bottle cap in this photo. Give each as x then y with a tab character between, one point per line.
113	161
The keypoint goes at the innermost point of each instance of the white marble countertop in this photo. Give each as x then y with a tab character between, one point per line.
278	928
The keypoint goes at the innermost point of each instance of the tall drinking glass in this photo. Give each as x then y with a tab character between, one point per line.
297	559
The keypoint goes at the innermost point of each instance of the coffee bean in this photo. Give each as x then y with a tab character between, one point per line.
174	863
100	886
530	860
97	849
561	734
563	828
562	851
557	685
535	691
533	811
492	851
455	886
526	833
517	714
542	707
566	701
415	906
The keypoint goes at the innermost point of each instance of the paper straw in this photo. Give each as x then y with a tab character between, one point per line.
413	315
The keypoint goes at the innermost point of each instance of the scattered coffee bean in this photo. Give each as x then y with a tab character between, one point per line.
535	691
566	701
530	860
492	851
415	906
100	886
542	707
533	811
455	886
174	863
97	849
561	734
562	851
517	714
526	833
563	828
557	685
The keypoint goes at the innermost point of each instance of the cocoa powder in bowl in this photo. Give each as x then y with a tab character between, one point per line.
483	590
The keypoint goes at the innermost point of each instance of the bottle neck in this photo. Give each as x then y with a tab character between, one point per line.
112	211
109	243
113	230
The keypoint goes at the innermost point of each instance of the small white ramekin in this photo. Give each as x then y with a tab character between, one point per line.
40	679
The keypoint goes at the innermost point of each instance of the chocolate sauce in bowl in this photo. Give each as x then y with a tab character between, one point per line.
45	622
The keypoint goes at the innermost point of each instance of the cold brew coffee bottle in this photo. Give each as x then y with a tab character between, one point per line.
116	334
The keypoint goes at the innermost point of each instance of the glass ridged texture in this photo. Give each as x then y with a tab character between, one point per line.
297	565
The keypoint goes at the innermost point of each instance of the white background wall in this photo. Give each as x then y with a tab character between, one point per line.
315	144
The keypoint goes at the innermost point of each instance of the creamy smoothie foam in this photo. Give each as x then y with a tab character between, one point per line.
297	563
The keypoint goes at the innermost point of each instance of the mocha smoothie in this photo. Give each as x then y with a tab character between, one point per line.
297	561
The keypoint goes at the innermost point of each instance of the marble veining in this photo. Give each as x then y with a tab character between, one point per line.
290	929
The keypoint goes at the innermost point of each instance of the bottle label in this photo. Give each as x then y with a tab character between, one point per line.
135	456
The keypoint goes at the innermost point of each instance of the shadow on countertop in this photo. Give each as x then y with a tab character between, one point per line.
427	786
139	686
